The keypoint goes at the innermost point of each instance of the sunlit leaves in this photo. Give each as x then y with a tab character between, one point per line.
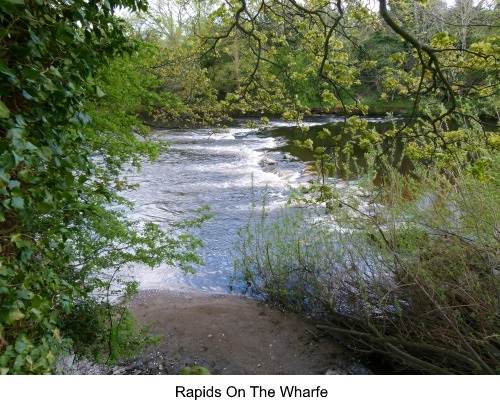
4	111
443	40
52	194
14	315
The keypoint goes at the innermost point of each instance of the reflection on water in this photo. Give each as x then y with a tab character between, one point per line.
335	127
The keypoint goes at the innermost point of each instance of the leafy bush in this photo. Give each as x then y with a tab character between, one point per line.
409	270
105	331
63	142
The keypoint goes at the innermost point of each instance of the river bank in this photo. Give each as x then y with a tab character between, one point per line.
230	171
231	335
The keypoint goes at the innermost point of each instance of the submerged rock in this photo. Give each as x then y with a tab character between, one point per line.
267	161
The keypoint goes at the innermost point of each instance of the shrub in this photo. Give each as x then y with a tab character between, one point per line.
409	270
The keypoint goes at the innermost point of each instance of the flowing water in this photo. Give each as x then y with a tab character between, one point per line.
222	170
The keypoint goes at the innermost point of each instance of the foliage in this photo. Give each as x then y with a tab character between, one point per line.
74	80
105	331
405	266
180	70
58	180
128	91
194	370
182	74
408	271
306	53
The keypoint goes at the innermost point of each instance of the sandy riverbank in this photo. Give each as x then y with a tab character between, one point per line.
231	335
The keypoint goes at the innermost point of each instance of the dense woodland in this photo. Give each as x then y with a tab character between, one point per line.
415	282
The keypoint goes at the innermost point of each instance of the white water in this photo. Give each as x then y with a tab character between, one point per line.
218	169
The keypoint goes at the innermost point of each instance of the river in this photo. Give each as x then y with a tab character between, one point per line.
221	169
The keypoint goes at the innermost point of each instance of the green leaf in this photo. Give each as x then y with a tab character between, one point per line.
35	38
15	238
83	117
31	147
24	294
45	153
49	85
50	357
20	361
69	179
7	161
41	304
17	203
56	334
55	71
27	95
54	316
30	73
4	178
4	111
66	37
15	133
196	370
14	315
37	313
17	159
22	344
13	184
99	92
44	208
20	121
4	68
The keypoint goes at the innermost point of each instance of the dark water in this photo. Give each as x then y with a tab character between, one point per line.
218	169
335	127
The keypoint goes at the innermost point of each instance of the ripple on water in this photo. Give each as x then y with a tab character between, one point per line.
203	167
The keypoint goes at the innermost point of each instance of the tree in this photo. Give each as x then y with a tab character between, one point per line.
446	83
404	266
404	275
58	232
60	62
